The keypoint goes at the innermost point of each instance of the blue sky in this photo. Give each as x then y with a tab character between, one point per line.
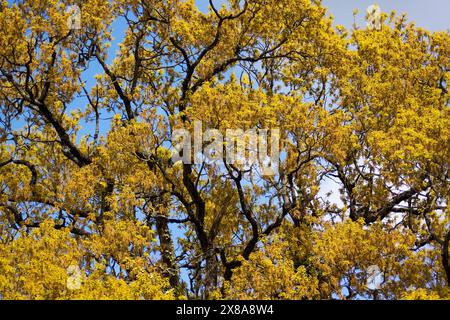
430	14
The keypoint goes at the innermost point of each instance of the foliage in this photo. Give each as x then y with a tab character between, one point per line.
87	180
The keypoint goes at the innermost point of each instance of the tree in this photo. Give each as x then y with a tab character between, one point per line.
86	173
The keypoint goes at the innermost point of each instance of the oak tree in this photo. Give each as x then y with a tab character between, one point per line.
86	172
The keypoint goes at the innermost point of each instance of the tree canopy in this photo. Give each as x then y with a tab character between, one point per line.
87	180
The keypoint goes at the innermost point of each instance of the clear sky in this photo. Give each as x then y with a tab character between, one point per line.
430	14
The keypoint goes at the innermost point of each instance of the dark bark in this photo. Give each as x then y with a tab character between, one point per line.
167	251
445	257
